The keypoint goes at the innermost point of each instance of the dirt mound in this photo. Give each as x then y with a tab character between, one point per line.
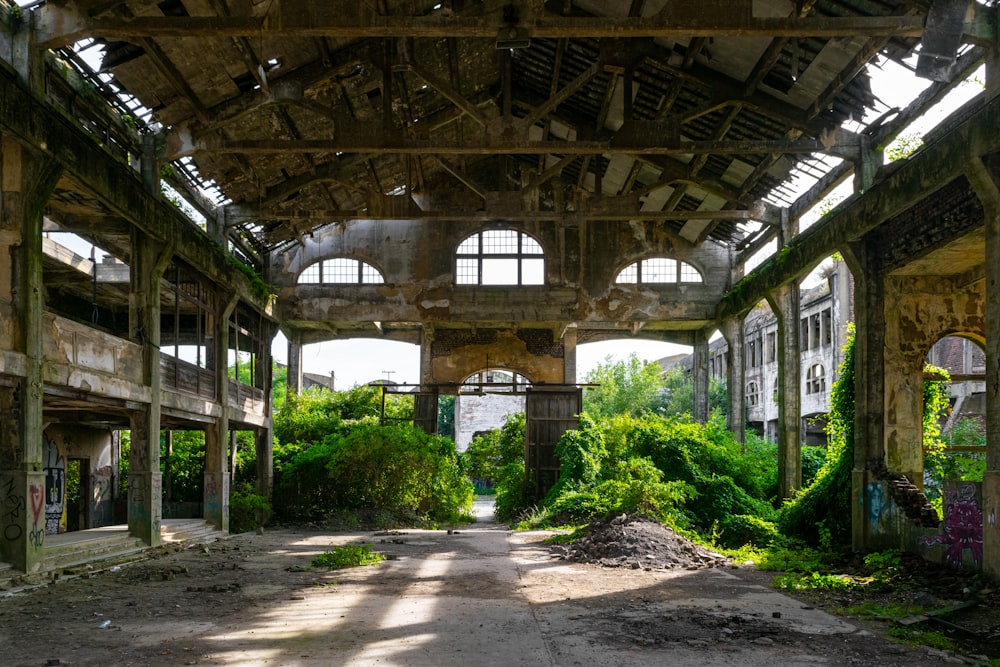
640	543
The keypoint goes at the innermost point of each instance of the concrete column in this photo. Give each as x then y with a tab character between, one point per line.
145	509
985	183
732	331
869	382
426	359
785	303
217	480
569	355
294	381
263	439
26	181
699	373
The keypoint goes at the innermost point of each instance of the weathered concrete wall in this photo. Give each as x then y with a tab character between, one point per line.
482	413
418	268
919	312
455	354
93	447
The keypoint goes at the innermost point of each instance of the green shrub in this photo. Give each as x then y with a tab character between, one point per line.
742	529
247	510
719	497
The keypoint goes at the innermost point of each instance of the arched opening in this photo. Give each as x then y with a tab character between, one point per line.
485	399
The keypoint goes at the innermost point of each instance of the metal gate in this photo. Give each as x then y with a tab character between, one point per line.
549	411
425	411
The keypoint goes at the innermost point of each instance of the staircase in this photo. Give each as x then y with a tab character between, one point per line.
86	551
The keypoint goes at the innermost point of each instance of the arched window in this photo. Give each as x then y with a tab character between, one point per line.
495	381
340	271
499	257
816	379
753	394
658	271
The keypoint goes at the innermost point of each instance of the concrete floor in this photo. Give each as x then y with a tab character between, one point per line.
480	595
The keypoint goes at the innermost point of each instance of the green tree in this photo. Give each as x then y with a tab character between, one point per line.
446	416
630	387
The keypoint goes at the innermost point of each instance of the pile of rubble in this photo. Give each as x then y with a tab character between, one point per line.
639	543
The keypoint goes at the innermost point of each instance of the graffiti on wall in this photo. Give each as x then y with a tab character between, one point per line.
877	505
101	503
13	505
962	532
55	487
36	531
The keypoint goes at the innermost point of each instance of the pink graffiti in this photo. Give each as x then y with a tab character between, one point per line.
963	527
37	502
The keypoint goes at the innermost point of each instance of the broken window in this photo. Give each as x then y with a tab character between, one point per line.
772	347
753	394
499	257
816	379
827	327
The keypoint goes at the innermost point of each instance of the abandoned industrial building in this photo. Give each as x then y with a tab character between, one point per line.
497	182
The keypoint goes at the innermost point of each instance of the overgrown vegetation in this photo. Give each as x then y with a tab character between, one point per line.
332	455
348	555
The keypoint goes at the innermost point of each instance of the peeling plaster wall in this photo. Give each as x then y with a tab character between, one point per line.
919	312
581	263
482	413
457	353
93	446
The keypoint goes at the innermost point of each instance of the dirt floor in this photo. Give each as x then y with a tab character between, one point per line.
479	595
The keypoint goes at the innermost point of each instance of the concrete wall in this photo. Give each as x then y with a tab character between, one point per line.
93	448
475	413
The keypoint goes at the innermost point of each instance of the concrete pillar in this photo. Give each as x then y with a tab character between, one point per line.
263	440
145	509
984	181
869	382
699	373
569	355
26	182
785	303
732	331
294	381
217	480
426	358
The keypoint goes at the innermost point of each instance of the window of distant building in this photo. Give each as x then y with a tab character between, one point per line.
658	271
753	394
340	271
499	257
816	379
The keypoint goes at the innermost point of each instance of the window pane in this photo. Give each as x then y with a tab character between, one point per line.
310	275
499	271
467	272
370	275
470	246
659	270
530	246
689	274
628	275
341	270
532	271
500	242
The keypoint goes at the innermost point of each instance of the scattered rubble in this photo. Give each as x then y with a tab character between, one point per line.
640	543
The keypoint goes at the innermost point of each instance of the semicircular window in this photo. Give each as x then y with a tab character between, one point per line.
499	257
340	271
658	271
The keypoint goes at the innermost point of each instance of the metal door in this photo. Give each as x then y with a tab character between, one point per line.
550	411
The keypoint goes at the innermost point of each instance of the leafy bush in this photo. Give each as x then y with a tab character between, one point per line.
718	498
513	496
741	529
488	453
247	510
